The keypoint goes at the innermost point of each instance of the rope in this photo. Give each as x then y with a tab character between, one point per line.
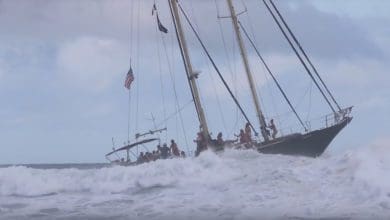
304	54
137	79
251	29
221	113
173	80
273	77
299	56
228	64
183	58
174	114
308	113
176	96
216	68
131	52
161	83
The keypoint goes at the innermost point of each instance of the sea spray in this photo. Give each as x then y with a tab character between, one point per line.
234	184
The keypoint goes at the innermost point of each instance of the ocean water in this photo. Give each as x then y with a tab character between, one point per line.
233	185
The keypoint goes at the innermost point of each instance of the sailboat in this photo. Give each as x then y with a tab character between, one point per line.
310	143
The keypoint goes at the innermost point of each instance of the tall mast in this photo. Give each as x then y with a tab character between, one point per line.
244	56
190	73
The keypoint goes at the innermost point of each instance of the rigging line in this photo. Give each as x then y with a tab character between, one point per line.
193	13
161	80
271	94
257	82
128	117
138	65
174	114
172	76
308	113
208	67
303	96
304	54
131	52
227	59
183	58
131	27
216	69
251	28
273	77
234	52
175	91
299	56
221	114
217	98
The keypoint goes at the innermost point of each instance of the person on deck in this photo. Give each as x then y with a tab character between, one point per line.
273	128
201	143
248	132
182	154
148	157
174	149
141	157
266	131
242	136
219	139
165	151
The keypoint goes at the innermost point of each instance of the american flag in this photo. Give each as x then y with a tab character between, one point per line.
129	78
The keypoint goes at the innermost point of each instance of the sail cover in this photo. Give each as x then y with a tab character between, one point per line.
128	147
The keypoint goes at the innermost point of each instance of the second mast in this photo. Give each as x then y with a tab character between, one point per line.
244	56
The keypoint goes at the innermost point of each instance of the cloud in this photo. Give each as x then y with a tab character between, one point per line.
59	49
359	74
235	76
91	63
375	102
327	34
61	20
324	34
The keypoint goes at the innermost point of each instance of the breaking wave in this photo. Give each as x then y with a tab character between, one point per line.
236	183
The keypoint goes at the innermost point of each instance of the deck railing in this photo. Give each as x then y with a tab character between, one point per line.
317	123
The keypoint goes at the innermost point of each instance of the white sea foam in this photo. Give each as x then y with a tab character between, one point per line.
234	185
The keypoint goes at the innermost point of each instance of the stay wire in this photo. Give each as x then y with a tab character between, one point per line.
137	79
175	93
131	53
183	58
228	64
216	68
304	54
173	80
221	114
161	81
272	75
299	56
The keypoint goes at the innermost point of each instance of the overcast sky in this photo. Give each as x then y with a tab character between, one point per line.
63	63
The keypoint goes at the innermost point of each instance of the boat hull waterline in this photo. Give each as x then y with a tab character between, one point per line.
311	144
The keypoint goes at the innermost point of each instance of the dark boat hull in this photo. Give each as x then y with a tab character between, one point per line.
311	144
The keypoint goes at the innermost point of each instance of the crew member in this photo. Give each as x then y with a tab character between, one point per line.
273	128
219	139
201	143
248	132
174	149
165	151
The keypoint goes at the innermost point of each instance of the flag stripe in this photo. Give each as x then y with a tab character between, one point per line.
129	78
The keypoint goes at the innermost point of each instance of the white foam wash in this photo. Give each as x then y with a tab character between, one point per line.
235	185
